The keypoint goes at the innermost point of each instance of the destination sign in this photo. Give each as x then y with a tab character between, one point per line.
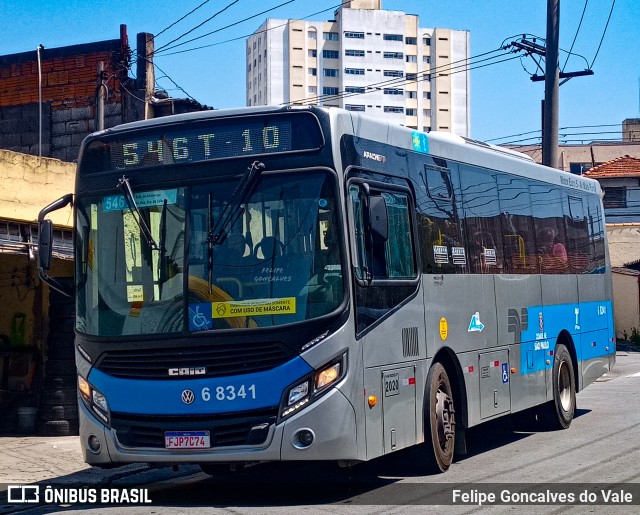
203	141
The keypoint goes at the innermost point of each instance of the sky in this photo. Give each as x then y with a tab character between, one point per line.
505	103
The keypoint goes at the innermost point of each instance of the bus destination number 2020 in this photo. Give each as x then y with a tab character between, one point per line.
228	393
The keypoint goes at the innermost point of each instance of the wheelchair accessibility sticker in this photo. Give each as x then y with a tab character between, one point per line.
505	373
475	324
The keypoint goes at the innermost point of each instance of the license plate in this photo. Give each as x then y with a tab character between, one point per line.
187	440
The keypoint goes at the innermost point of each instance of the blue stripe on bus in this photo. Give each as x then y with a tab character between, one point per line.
226	394
589	323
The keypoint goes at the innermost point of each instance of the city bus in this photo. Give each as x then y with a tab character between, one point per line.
305	283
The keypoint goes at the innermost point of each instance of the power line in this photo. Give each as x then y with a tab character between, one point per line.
164	47
400	81
252	34
603	33
586	2
197	26
180	19
561	129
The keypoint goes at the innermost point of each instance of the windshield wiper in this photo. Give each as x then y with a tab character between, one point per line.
127	192
247	183
216	234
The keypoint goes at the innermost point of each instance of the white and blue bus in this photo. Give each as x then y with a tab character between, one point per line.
271	283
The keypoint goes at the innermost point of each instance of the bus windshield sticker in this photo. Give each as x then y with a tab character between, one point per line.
143	199
254	307
441	254
490	257
135	293
200	316
420	142
458	255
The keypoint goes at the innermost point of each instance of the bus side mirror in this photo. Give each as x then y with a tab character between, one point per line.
378	218
45	244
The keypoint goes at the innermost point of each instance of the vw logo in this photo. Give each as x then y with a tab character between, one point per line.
188	397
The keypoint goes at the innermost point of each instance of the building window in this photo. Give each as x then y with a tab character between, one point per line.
411	41
329	72
354	89
412	58
354	35
313	71
393	91
412	76
393	109
313	89
392	37
411	112
426	112
354	53
426	41
330	36
313	53
354	71
393	55
412	94
615	198
354	107
330	54
426	59
427	95
329	91
312	34
393	73
426	128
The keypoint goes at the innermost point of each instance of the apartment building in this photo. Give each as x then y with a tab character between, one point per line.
366	59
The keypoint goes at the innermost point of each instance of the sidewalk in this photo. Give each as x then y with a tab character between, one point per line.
30	459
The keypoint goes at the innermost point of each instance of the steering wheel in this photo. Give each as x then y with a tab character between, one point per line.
269	246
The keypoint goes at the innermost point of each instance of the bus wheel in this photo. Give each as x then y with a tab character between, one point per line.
440	420
561	410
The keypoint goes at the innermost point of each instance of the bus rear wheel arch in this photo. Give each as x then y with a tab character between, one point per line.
439	419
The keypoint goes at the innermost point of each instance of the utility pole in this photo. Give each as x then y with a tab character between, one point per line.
550	52
551	86
99	117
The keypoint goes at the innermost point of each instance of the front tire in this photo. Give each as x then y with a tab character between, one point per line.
440	421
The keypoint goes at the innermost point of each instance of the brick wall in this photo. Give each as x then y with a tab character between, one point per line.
69	83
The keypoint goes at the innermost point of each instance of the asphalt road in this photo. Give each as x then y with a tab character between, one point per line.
597	456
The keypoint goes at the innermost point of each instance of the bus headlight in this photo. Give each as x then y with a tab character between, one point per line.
313	386
94	400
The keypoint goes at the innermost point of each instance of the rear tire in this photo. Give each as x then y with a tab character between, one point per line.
440	422
560	411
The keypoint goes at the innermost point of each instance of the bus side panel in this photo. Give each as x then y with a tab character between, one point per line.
596	323
515	295
460	314
559	312
393	354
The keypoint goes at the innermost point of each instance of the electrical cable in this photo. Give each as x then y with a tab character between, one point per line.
400	80
586	2
197	26
427	75
249	35
603	33
167	47
180	19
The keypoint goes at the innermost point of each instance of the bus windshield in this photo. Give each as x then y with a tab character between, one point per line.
275	261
